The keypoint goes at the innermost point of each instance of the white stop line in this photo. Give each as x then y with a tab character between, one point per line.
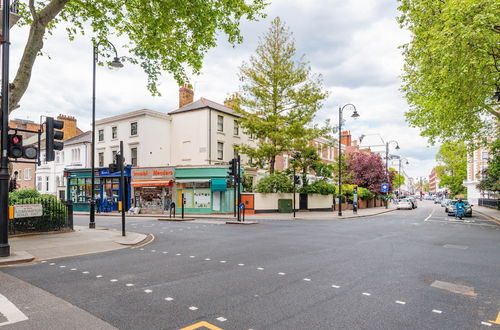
10	311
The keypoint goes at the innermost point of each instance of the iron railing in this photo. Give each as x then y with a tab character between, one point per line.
56	216
489	202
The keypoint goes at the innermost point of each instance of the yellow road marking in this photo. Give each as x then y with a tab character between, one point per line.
497	321
200	325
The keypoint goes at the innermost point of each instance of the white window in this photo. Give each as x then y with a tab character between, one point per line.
75	155
113	156
46	183
39	183
101	159
133	128
220	150
285	162
27	174
101	135
133	156
236	128
114	132
220	123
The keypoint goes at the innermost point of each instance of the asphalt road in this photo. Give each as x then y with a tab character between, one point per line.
409	269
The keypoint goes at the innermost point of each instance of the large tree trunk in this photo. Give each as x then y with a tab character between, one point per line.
33	46
272	163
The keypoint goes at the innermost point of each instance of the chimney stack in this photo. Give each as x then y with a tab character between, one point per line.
186	95
70	130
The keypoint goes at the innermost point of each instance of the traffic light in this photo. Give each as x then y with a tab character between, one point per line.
232	167
15	146
296	179
113	168
53	137
117	164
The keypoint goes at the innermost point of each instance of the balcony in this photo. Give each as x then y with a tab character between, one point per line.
14	17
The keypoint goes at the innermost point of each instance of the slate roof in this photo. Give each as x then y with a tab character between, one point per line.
203	103
84	137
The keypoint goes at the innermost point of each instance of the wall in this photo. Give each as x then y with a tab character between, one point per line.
269	202
189	138
319	202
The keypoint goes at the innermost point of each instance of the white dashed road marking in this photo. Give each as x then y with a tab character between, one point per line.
281	274
222	261
73	269
260	268
437	311
148	290
400	302
113	280
169	299
62	266
241	265
208	259
193	308
98	276
335	286
221	319
486	323
129	284
191	257
307	279
367	294
52	264
85	272
10	312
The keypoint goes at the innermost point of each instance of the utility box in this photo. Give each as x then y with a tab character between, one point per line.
285	206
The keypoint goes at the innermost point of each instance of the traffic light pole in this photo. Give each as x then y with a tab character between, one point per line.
4	161
238	181
122	190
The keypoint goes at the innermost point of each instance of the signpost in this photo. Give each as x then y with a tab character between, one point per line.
385	187
28	210
355	200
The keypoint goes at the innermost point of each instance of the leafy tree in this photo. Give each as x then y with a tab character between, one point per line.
319	187
277	182
323	170
452	67
492	173
279	98
367	170
304	159
397	179
453	157
162	35
364	193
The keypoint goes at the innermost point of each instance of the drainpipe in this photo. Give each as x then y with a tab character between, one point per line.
209	136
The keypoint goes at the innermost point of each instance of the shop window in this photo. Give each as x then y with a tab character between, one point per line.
220	123
236	128
220	150
101	159
133	128
114	132
101	135
133	156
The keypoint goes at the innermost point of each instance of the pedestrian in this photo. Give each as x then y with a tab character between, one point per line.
98	204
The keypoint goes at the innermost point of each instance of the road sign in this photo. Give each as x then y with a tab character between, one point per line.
28	210
242	206
385	187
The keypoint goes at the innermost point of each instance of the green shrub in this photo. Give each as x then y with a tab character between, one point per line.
319	187
278	182
364	193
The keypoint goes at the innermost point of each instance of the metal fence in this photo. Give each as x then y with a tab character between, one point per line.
489	202
56	215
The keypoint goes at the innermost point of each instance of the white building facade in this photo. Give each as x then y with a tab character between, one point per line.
50	175
145	135
477	163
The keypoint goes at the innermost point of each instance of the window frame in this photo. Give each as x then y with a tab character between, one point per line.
136	128
114	132
220	150
132	158
236	128
220	123
100	135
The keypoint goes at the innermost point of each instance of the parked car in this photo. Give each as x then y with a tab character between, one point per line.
444	202
413	201
450	208
437	200
405	203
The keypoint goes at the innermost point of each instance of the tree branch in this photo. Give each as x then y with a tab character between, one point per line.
32	8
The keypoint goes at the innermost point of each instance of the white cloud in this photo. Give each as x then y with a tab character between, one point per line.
353	44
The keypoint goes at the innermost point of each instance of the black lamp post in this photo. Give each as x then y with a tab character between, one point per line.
387	167
115	64
355	115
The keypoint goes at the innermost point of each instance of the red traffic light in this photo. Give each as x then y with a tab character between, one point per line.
16	139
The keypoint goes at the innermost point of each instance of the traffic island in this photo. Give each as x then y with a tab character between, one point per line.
176	219
241	223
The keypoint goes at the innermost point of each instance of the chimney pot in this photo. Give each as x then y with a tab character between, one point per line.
186	95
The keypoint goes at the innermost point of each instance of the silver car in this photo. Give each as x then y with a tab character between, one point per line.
444	202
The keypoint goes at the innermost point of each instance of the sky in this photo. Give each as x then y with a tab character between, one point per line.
352	44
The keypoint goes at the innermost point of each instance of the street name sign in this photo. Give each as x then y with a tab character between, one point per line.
28	210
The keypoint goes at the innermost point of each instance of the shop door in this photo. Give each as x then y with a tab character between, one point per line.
216	200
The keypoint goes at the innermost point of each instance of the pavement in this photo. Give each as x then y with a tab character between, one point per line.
81	241
490	213
407	269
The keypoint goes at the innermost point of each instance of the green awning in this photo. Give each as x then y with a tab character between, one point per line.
219	185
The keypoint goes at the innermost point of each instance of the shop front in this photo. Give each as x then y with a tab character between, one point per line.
153	189
107	190
205	190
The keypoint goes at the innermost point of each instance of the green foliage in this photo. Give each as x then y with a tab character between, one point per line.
453	171
247	183
279	98
492	180
161	36
452	65
364	193
319	187
398	179
323	170
277	182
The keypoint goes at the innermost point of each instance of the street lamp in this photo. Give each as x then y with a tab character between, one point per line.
387	144
116	63
355	115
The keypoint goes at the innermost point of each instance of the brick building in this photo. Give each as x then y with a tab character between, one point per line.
25	172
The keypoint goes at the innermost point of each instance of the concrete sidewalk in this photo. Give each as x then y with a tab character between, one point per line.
492	214
308	215
57	245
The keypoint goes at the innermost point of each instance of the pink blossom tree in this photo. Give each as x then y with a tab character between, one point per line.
367	170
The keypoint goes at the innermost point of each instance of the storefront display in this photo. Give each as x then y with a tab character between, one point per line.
152	189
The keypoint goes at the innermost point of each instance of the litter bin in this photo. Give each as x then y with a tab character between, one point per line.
285	206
